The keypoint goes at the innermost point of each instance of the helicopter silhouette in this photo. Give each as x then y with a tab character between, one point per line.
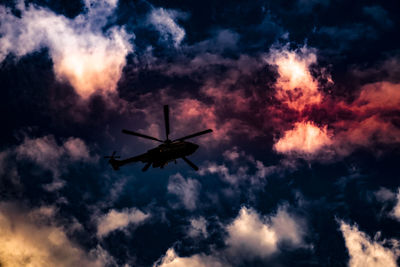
169	150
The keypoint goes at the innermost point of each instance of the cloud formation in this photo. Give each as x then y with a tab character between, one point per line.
295	87
83	55
119	220
198	227
304	139
171	259
366	252
187	190
341	127
48	154
164	20
249	236
32	238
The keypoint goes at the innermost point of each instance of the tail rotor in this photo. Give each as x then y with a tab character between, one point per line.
112	160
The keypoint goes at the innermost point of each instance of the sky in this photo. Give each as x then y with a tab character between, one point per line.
302	167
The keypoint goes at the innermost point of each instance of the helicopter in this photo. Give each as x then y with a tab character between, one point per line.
168	151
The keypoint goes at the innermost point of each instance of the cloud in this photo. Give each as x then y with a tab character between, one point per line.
240	168
164	21
171	259
187	190
378	96
366	252
305	139
77	149
251	235
369	119
396	209
88	58
306	6
344	35
198	227
373	120
32	238
119	220
295	86
384	194
46	152
379	14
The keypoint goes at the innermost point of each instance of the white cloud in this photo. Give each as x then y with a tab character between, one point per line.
119	220
365	252
384	194
187	190
89	59
198	227
43	151
249	236
164	21
238	171
171	259
396	209
32	238
49	155
252	235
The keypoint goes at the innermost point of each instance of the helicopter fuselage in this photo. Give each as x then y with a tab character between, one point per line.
164	153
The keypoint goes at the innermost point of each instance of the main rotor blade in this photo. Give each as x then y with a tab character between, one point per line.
191	164
194	135
141	135
166	120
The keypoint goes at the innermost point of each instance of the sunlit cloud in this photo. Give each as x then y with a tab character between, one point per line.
304	139
32	238
249	236
295	86
83	55
119	220
366	252
171	259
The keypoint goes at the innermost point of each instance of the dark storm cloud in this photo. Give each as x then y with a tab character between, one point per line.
301	169
380	15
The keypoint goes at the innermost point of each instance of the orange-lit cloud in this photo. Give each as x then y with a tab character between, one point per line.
304	139
374	119
295	86
371	117
32	238
379	96
83	55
